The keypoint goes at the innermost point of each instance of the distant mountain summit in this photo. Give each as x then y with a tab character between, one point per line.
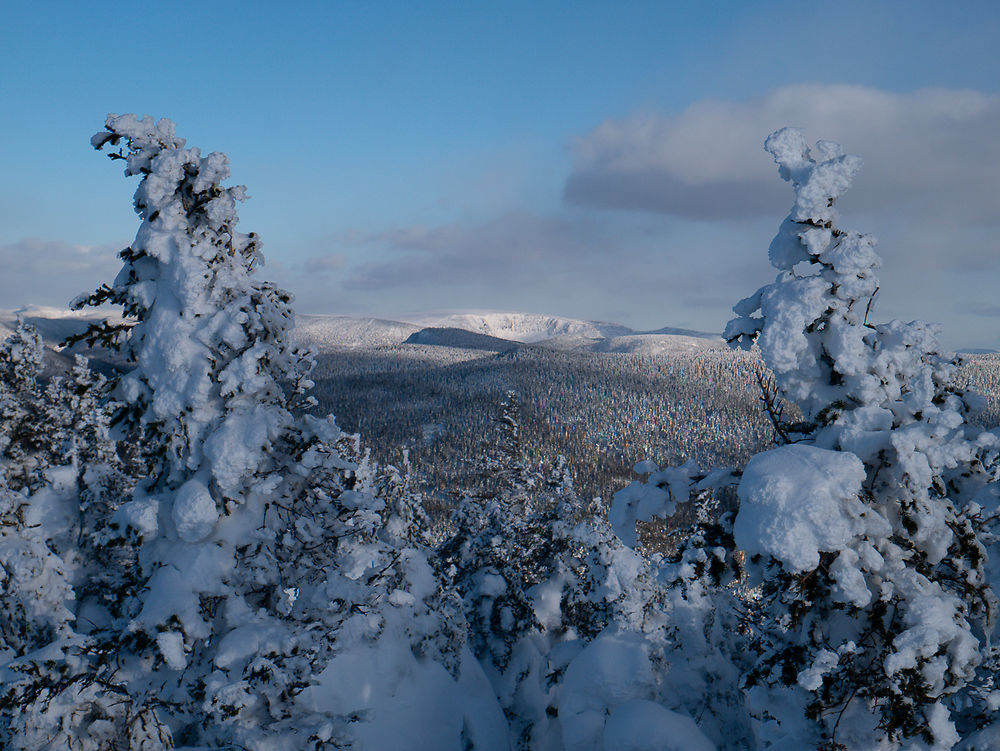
55	325
523	327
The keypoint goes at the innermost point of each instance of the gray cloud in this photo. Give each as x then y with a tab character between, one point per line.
324	263
987	310
570	263
934	149
516	248
51	273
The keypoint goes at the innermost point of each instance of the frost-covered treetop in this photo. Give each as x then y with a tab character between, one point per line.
820	175
212	345
146	138
178	185
811	323
20	357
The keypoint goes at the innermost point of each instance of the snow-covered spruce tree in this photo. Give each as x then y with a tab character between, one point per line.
861	528
23	436
500	548
59	683
56	442
75	412
265	582
405	521
62	423
503	468
60	561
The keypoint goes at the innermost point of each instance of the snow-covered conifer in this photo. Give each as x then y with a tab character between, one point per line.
405	521
77	419
36	587
862	525
503	468
61	565
266	570
211	345
23	435
701	581
59	686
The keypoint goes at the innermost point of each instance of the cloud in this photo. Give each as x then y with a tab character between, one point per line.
987	310
516	248
324	263
51	272
935	150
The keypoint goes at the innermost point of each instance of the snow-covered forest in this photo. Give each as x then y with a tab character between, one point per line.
194	554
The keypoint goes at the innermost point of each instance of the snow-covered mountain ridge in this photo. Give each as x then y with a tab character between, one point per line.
529	328
325	331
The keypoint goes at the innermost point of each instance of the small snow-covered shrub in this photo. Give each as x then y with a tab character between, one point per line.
568	623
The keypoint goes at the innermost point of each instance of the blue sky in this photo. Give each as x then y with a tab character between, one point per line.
589	159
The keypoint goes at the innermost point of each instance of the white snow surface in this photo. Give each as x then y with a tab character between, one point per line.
799	500
141	513
195	513
409	703
642	725
605	703
171	646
